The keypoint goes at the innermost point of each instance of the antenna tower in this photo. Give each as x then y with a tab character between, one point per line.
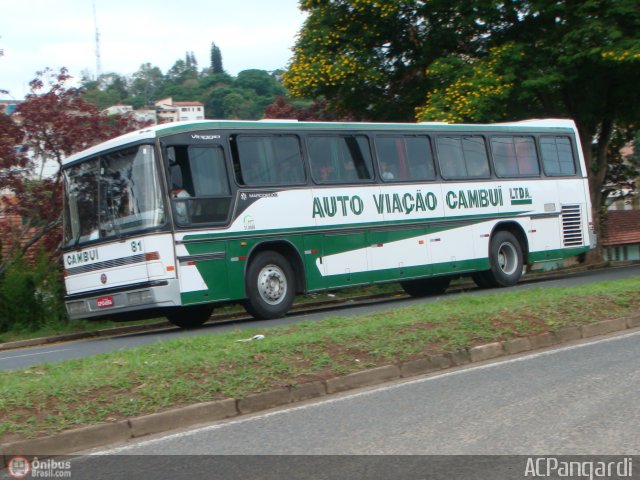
95	22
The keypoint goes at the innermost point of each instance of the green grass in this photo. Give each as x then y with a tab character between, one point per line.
78	326
48	398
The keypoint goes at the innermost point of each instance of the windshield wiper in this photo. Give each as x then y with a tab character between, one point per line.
76	241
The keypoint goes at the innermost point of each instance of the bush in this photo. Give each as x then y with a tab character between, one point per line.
31	295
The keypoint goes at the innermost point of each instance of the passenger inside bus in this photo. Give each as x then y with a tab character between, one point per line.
386	172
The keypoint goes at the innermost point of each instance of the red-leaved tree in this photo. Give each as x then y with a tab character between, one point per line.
317	111
52	123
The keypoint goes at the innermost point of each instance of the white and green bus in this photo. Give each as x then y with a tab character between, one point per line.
175	219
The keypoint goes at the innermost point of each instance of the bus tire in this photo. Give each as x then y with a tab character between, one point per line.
505	260
424	287
270	285
190	317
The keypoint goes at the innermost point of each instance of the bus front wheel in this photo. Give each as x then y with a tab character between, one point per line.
190	317
426	286
505	260
270	286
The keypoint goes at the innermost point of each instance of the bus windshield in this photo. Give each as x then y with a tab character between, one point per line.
112	195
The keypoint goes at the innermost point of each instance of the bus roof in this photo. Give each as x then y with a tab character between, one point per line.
158	131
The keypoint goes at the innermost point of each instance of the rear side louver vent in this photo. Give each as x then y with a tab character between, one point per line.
571	226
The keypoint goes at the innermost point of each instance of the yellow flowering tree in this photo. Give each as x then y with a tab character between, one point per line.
469	89
366	58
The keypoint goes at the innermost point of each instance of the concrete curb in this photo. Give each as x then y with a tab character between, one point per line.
105	434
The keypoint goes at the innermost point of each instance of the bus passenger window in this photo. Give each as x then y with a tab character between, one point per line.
475	155
514	156
402	158
557	156
527	156
340	158
199	186
463	157
268	160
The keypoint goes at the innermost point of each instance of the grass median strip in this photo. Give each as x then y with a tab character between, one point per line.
46	399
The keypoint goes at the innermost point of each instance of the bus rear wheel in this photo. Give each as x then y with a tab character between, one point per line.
505	260
270	286
190	317
424	287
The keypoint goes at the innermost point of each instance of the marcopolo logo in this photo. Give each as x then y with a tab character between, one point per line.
21	467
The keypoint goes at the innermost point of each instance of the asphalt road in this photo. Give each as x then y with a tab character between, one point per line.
22	358
576	400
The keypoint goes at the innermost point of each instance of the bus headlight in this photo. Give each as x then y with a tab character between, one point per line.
77	307
137	298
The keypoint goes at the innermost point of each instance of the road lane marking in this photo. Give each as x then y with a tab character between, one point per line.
32	354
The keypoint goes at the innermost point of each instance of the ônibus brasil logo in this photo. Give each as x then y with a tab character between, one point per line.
19	467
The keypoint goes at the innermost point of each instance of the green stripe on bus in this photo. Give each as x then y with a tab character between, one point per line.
356	226
557	254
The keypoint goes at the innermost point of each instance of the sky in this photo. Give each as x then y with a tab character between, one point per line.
35	34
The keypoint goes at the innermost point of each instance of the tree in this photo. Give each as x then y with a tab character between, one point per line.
216	59
54	121
368	58
261	82
146	84
308	111
183	70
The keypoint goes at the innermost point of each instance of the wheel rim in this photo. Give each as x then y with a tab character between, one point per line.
508	258
272	284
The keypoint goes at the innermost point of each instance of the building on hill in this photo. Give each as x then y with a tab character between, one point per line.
170	111
118	110
141	115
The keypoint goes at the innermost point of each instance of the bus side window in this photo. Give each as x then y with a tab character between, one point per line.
504	156
402	158
199	186
209	172
514	156
268	160
179	171
475	155
557	156
211	185
340	158
463	157
527	156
